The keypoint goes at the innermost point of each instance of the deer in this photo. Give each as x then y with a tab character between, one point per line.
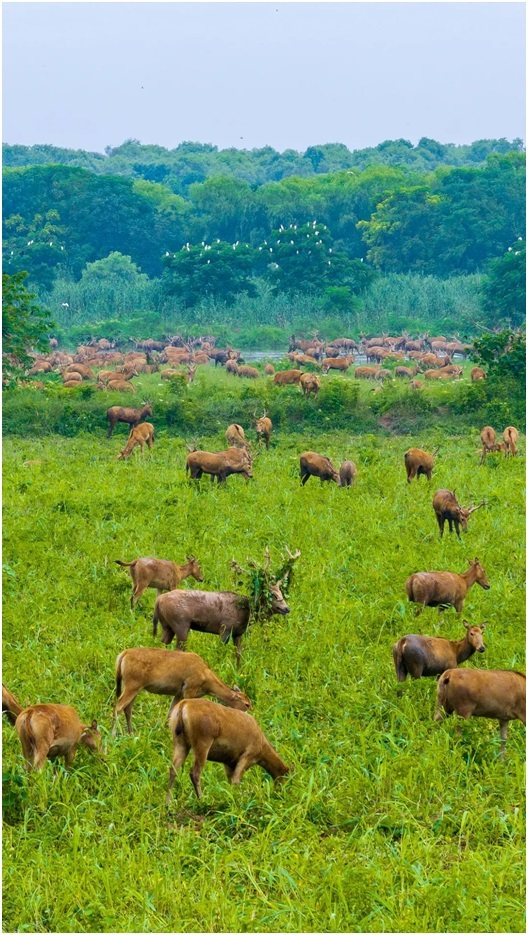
263	429
183	675
314	465
128	415
219	464
418	462
511	437
142	434
447	507
420	656
221	735
310	384
235	437
444	588
224	613
493	693
47	731
489	442
347	474
159	573
477	373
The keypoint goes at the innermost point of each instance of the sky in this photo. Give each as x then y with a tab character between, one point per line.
288	75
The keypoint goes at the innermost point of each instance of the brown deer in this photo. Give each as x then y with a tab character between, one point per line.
419	656
245	371
444	588
447	507
314	465
235	436
159	573
221	735
365	373
223	613
183	675
120	386
336	363
285	377
493	693
310	384
219	464
489	442
511	437
142	434
263	429
347	474
53	730
418	462
477	373
128	415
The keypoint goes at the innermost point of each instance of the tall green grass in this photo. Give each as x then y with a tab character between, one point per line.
389	822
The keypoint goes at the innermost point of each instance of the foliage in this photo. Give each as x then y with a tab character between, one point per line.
219	269
257	581
504	287
503	352
25	326
193	163
419	820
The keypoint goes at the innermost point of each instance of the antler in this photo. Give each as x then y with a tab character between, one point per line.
290	556
473	508
268	558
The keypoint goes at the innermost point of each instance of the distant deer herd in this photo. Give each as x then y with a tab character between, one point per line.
226	732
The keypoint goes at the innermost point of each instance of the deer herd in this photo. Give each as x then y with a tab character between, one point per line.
226	732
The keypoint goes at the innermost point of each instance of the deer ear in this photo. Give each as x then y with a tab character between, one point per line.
93	725
483	625
236	688
466	624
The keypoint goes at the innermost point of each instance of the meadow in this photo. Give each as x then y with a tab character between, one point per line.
388	822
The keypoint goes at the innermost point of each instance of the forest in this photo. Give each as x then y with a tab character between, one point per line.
373	238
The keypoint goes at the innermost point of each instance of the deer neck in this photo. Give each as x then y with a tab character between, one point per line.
470	576
463	649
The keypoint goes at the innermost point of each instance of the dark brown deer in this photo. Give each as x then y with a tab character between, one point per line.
447	507
221	735
420	656
314	465
128	415
445	588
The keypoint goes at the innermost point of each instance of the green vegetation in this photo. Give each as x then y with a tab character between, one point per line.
216	399
25	325
388	822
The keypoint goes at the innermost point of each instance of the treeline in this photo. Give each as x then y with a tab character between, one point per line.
189	163
448	222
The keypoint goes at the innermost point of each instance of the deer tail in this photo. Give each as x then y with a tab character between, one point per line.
119	673
127	564
177	721
399	665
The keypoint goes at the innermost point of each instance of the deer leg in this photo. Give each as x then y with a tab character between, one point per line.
69	756
441	524
503	736
181	749
457	528
237	642
450	521
111	428
125	703
39	755
240	768
200	750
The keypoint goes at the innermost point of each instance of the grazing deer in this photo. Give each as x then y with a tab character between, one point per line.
142	434
182	675
347	474
222	735
314	465
511	437
447	507
53	730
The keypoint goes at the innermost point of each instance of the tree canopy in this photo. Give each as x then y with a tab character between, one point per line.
25	326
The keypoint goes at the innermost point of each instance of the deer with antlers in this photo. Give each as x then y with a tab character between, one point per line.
447	507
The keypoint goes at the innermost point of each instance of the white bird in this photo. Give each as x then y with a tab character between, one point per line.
208	261
64	305
51	243
167	253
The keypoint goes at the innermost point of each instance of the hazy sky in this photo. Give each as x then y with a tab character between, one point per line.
87	75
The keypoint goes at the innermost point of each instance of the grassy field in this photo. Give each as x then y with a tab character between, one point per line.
389	822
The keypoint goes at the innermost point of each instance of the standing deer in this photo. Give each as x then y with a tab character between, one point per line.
159	573
447	507
445	588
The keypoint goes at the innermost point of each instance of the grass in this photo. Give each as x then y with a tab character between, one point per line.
389	822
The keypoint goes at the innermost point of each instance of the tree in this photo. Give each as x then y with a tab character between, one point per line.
503	292
219	269
25	326
503	353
